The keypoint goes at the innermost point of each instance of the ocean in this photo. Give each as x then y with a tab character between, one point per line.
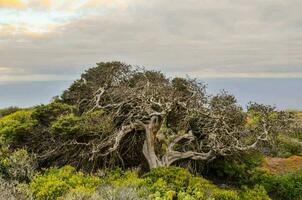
284	93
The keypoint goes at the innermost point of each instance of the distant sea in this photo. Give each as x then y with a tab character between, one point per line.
281	92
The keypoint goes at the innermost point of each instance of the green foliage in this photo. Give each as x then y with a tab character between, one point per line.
225	195
285	187
119	178
89	123
256	193
91	80
172	178
16	126
160	184
287	147
174	182
282	187
8	111
238	169
46	114
66	125
56	182
118	184
17	165
96	122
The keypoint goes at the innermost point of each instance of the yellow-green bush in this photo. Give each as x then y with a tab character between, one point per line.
166	183
224	195
16	126
118	178
66	125
8	111
175	178
174	182
46	114
56	182
92	122
256	193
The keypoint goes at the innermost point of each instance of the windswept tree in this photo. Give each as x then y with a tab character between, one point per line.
174	118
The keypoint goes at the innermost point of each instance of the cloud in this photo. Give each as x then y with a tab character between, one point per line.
196	37
3	69
35	77
40	4
11	4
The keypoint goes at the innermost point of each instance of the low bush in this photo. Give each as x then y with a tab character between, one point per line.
166	183
287	186
54	183
282	187
287	147
9	191
109	192
46	114
16	126
224	195
236	170
256	193
8	111
17	165
66	125
177	183
173	178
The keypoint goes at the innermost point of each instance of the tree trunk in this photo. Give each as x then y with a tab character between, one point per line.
170	155
149	145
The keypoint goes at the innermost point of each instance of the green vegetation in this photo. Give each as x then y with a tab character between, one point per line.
286	186
54	182
15	126
162	183
7	111
124	133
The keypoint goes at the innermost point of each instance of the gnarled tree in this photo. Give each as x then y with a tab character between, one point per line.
176	118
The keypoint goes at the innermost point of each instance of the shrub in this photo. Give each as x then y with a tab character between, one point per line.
257	193
8	111
9	191
116	184
97	122
88	123
57	182
286	187
174	182
237	170
287	147
225	195
107	192
66	125
119	178
16	126
18	165
199	188
165	183
174	178
46	114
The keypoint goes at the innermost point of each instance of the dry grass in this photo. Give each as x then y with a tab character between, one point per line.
283	165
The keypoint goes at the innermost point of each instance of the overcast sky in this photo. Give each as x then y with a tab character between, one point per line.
57	40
